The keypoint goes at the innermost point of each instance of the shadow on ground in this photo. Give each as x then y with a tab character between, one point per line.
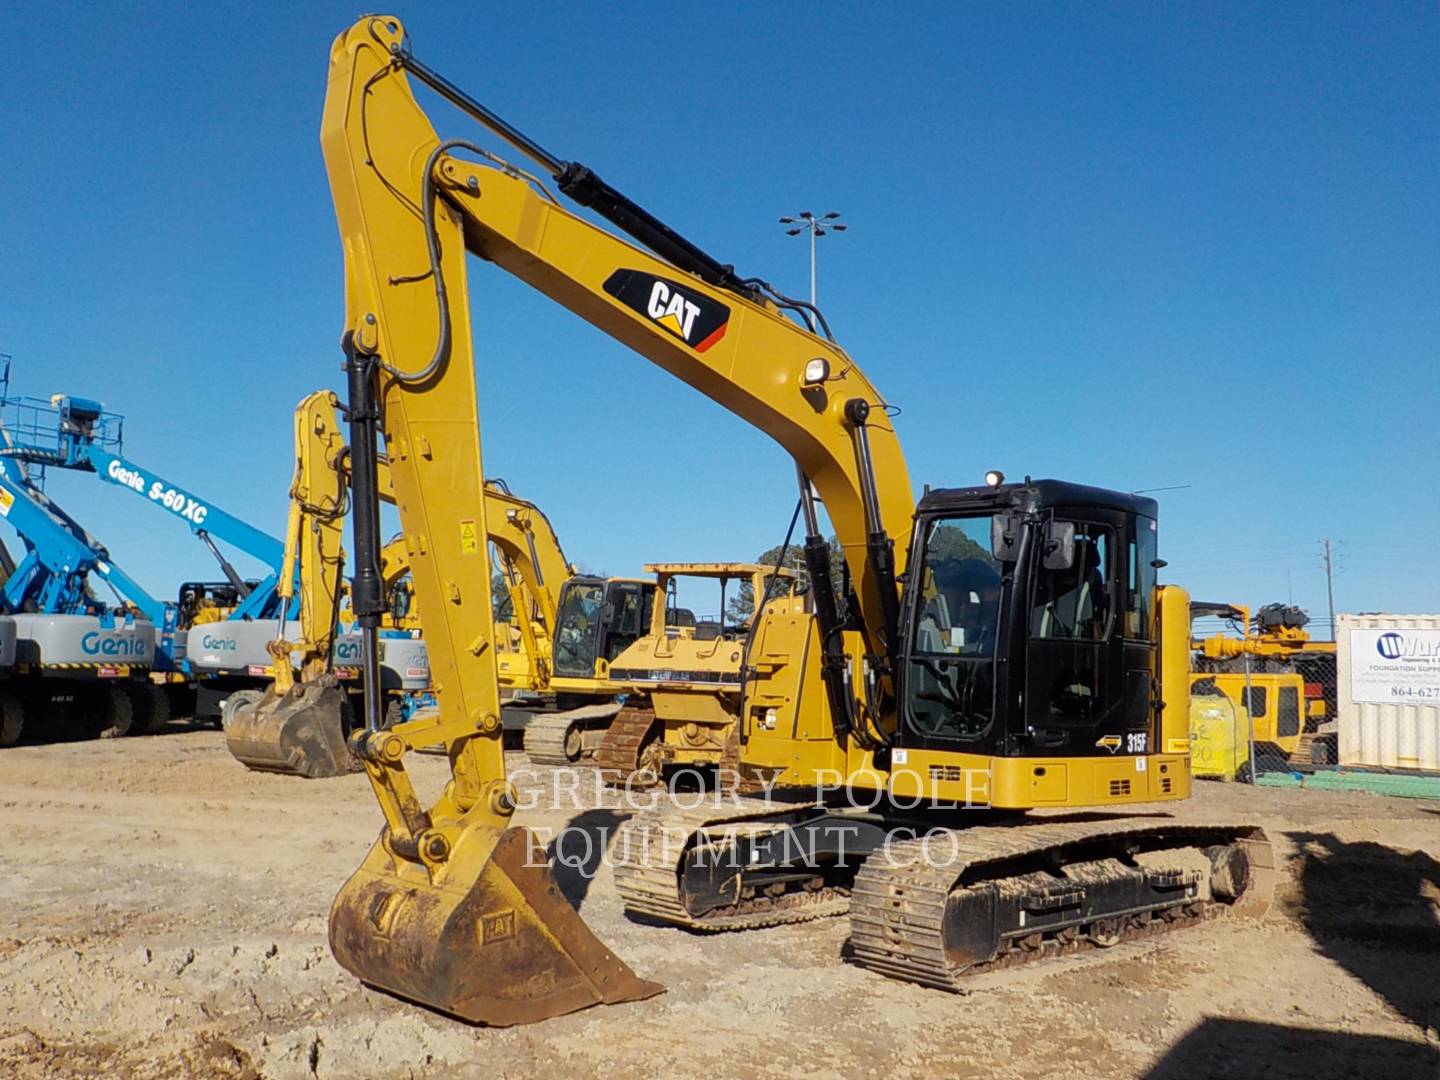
1375	911
577	853
1219	1048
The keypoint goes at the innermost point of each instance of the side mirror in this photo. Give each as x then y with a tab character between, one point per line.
1059	545
1005	537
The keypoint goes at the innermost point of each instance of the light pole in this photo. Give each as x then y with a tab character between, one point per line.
817	226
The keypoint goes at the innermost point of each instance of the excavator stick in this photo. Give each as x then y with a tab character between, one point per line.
454	907
300	732
299	727
489	938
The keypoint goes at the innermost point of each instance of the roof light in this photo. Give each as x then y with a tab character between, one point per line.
994	478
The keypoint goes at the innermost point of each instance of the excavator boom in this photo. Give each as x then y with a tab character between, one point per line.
690	316
294	727
299	727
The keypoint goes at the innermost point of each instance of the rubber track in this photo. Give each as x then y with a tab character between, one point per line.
898	904
648	877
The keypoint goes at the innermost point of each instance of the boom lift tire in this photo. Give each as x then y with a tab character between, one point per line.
117	711
12	718
151	705
241	699
394	712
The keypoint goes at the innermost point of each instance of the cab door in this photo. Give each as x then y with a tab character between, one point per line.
625	618
1075	681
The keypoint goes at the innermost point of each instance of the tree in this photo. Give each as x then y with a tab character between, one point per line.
742	604
500	603
946	542
950	542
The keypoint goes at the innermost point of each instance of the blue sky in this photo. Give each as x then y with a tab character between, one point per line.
1136	246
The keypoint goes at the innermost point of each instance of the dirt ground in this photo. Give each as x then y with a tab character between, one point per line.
164	914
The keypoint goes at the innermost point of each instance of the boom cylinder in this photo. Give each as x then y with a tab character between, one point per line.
879	549
827	615
367	587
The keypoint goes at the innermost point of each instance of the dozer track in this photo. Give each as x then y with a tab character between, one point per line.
559	738
992	897
652	848
619	754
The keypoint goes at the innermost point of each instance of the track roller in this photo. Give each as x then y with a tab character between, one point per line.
564	738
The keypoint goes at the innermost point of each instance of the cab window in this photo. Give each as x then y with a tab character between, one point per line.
1140	586
627	618
950	678
960	609
1073	603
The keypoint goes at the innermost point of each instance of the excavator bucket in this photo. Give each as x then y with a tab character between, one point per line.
301	733
486	936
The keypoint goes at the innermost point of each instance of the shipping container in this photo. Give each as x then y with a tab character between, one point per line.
1389	693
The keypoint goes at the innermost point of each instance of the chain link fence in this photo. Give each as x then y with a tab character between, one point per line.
1274	720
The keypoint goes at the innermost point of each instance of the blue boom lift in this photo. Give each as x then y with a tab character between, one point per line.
214	636
77	661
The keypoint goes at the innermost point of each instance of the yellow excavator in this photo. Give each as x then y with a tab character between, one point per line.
300	724
1003	646
315	744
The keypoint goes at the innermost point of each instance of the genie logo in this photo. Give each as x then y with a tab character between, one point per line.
125	477
173	499
92	644
220	644
1391	646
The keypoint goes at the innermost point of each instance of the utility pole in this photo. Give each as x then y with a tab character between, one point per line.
817	225
1328	558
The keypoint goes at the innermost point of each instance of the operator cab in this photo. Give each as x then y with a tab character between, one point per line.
1028	616
214	598
597	621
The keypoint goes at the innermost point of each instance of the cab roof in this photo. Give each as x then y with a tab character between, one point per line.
1034	495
